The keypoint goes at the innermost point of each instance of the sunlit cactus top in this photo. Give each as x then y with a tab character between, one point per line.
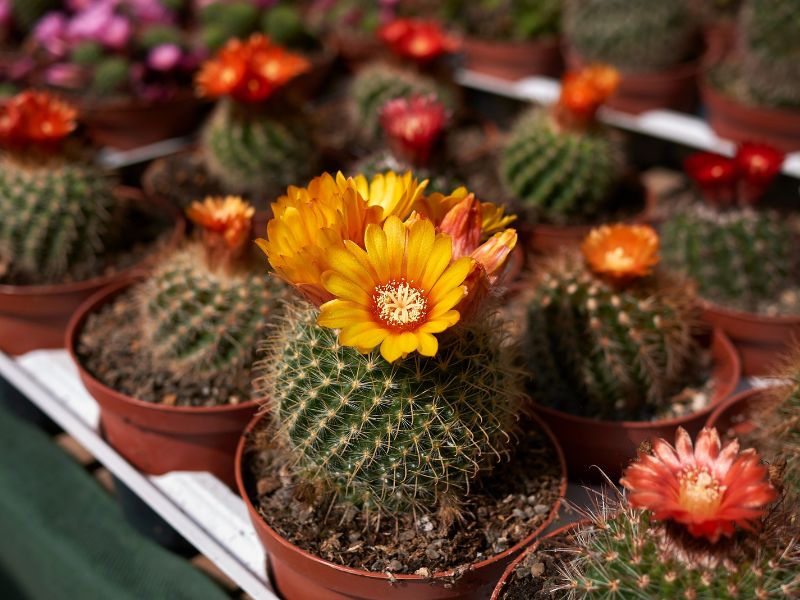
421	41
585	91
413	126
621	252
249	71
708	489
34	118
226	226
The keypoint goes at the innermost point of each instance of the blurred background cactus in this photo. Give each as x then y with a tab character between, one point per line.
504	20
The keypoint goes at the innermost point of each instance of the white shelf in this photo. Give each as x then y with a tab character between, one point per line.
677	127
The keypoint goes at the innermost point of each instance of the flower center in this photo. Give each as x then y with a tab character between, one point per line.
700	492
413	126
400	304
618	259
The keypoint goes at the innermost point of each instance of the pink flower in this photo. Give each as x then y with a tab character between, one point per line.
65	75
117	34
51	33
5	12
164	57
90	24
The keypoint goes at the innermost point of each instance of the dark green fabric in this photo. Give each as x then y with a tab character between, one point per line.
63	537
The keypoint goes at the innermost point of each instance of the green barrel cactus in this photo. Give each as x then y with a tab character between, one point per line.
560	174
632	35
250	152
391	436
503	20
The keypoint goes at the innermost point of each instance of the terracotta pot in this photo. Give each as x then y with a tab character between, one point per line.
610	445
760	340
34	317
299	575
126	123
504	579
513	60
356	49
733	417
156	438
674	88
779	127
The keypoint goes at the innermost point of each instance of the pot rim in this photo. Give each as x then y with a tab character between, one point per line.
741	397
75	328
545	41
749	317
717	336
519	546
128	102
686	68
55	289
710	92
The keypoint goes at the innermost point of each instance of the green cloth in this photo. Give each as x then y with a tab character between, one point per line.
63	537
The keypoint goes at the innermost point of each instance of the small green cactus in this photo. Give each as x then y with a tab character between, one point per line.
110	75
222	21
505	20
739	257
250	152
391	436
631	35
87	53
561	175
156	35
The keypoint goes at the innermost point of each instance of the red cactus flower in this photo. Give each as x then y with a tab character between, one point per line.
584	91
757	165
35	118
714	175
708	489
413	126
421	41
249	71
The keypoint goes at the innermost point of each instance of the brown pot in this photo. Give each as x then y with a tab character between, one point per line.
779	127
513	60
733	418
674	88
34	317
299	575
156	438
760	340
126	122
354	48
610	445
504	579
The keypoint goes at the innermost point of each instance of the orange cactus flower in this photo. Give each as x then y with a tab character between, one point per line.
622	252
249	71
413	125
35	118
421	41
709	489
231	217
584	91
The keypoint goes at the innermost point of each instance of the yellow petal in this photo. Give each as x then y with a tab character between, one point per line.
427	344
437	261
441	323
448	301
346	264
395	245
421	237
408	342
390	348
375	242
363	335
453	277
342	287
336	314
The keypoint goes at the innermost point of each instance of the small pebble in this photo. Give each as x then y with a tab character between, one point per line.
537	569
395	565
541	509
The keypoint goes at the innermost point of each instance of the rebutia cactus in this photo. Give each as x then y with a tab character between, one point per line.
697	523
610	339
505	20
557	161
59	213
203	309
631	35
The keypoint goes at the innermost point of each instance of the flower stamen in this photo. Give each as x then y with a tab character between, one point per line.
700	492
400	304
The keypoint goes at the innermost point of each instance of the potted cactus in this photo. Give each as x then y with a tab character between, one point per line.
255	141
754	94
654	45
702	521
612	350
168	357
62	234
741	255
422	43
396	444
565	170
510	39
350	26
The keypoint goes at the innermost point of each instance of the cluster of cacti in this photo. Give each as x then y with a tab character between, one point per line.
223	20
252	152
561	174
391	436
439	180
632	35
738	257
377	84
505	20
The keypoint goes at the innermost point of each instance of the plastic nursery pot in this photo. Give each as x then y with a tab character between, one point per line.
506	577
733	418
513	60
610	445
299	575
127	122
779	127
760	339
156	438
34	317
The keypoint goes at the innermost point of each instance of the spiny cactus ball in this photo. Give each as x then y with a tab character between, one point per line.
606	351
632	35
391	436
255	153
56	216
561	175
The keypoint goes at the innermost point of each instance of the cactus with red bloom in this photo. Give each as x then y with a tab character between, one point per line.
417	40
414	125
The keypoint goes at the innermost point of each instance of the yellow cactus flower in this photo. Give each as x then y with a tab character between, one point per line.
622	252
230	216
398	292
436	206
395	194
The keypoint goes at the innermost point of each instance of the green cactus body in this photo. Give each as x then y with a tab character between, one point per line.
501	20
222	21
57	216
204	324
255	153
110	75
739	257
632	35
604	352
627	555
561	175
375	85
397	436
